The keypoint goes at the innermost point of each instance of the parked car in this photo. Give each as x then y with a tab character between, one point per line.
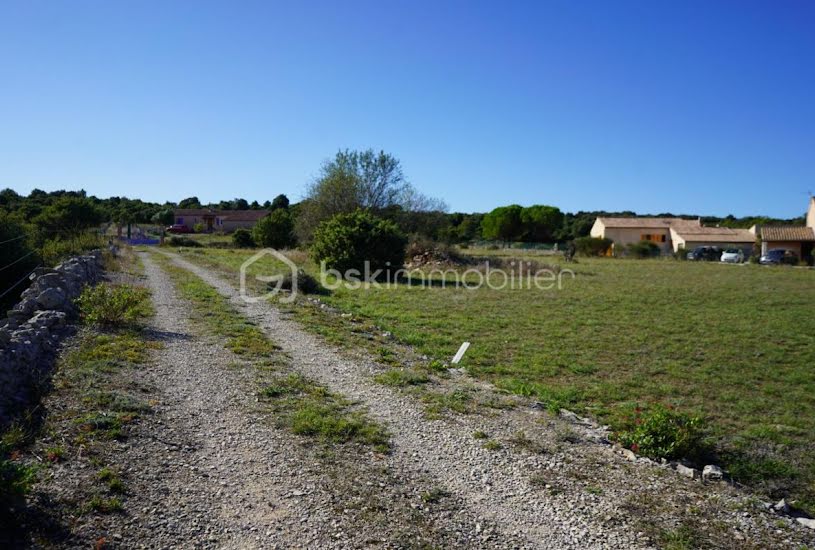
178	228
733	256
778	256
705	253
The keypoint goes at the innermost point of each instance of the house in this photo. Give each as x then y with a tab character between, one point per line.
671	234
625	231
218	220
799	239
724	237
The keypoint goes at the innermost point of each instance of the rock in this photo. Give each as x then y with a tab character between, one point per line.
51	298
50	280
782	507
806	522
628	454
683	470
712	473
5	337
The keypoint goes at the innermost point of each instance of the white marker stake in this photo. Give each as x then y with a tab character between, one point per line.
460	353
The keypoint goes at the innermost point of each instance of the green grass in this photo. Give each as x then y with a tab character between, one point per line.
401	377
309	409
732	344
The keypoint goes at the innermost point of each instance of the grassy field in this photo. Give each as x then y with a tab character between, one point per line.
735	344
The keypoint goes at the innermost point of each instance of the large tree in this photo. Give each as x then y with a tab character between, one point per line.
503	224
541	223
190	202
354	180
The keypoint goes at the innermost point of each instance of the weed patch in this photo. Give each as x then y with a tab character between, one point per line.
401	378
111	305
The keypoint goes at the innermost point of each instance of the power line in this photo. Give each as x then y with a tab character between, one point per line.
17	260
18	282
14	239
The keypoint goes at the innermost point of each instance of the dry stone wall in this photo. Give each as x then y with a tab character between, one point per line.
29	335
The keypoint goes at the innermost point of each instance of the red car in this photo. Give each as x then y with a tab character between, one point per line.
178	228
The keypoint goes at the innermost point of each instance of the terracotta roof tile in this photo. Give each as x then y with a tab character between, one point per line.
787	233
648	223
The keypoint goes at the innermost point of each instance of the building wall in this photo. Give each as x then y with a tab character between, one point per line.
230	226
623	236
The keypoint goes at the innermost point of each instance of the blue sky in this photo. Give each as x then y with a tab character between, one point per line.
696	106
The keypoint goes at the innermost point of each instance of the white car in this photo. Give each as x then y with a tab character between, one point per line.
733	256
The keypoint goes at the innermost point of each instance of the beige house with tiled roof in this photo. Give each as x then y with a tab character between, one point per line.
723	237
799	239
625	231
218	220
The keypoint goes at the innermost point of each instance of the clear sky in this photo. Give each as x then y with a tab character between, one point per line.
688	106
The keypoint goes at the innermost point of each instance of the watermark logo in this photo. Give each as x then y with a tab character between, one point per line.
519	276
277	279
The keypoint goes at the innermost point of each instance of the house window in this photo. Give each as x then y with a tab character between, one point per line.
653	237
179	221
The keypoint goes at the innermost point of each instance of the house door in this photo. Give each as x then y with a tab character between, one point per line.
209	224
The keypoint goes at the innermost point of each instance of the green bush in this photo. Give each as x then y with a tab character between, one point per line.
275	230
592	246
242	238
183	241
54	251
19	258
347	241
643	249
113	305
305	283
199	228
661	432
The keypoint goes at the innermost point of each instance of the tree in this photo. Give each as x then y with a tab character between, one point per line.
503	224
190	202
541	223
163	217
255	205
280	201
240	204
69	215
358	180
348	241
242	238
275	230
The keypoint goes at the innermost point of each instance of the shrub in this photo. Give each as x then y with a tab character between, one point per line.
19	258
113	305
592	246
347	241
662	432
275	230
55	250
643	249
242	238
198	228
183	241
305	283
